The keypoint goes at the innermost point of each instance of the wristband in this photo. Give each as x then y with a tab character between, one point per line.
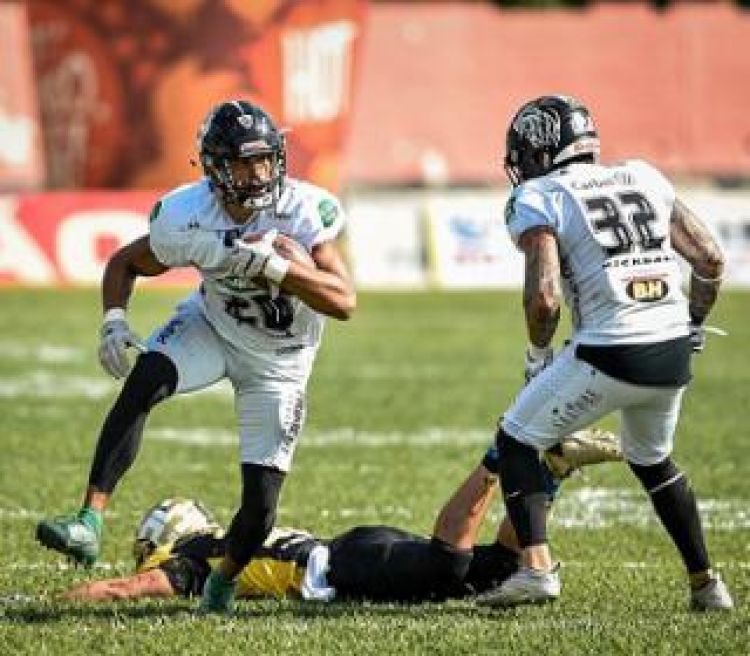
275	268
538	353
702	279
114	314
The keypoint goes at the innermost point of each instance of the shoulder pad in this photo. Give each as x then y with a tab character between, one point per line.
181	208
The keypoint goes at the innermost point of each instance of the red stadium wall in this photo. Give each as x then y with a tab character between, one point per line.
439	83
67	238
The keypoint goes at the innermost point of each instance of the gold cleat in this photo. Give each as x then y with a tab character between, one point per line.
580	449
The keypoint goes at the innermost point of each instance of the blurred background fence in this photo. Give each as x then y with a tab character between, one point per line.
400	107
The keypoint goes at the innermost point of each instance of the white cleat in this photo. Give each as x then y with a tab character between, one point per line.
714	595
526	586
580	449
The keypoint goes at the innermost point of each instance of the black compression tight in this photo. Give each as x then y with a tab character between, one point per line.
153	378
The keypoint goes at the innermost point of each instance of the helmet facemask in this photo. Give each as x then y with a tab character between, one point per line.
233	134
242	181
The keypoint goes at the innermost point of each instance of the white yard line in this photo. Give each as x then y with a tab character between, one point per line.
599	507
343	436
51	384
43	353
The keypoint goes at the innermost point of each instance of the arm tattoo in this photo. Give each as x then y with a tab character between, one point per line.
541	290
692	240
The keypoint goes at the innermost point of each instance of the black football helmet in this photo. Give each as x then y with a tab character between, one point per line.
546	133
238	129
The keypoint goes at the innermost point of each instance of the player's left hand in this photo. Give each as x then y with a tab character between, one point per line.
536	360
697	337
248	258
116	338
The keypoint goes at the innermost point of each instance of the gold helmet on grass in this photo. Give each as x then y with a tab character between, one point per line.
167	522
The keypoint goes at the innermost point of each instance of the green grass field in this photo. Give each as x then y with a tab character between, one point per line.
402	403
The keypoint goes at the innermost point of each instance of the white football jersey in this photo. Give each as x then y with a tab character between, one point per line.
621	278
189	227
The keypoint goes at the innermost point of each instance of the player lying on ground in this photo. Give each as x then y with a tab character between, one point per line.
177	544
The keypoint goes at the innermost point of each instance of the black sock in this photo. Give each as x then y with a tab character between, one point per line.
261	487
674	502
522	478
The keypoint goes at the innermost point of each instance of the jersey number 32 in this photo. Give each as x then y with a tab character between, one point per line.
623	222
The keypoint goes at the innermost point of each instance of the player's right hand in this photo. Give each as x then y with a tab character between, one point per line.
536	360
248	258
116	338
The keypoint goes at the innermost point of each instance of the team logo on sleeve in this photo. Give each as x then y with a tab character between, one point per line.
328	212
647	290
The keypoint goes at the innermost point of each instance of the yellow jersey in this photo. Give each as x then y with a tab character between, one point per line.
277	569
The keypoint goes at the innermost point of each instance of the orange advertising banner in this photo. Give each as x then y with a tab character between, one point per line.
21	163
124	85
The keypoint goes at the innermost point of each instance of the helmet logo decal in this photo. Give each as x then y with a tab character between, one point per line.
581	123
540	128
246	121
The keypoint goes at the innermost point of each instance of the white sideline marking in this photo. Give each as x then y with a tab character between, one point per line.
23	514
50	384
47	384
342	436
590	507
44	353
19	513
64	565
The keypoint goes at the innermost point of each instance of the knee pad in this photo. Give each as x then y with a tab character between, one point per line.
519	465
153	378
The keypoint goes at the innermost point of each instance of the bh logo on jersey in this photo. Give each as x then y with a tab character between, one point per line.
647	290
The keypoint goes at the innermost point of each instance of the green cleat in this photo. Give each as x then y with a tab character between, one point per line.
78	537
218	595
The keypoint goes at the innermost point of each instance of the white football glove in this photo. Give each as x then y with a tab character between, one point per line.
248	259
697	337
116	338
536	360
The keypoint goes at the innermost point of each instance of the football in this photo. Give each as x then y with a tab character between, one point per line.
285	246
